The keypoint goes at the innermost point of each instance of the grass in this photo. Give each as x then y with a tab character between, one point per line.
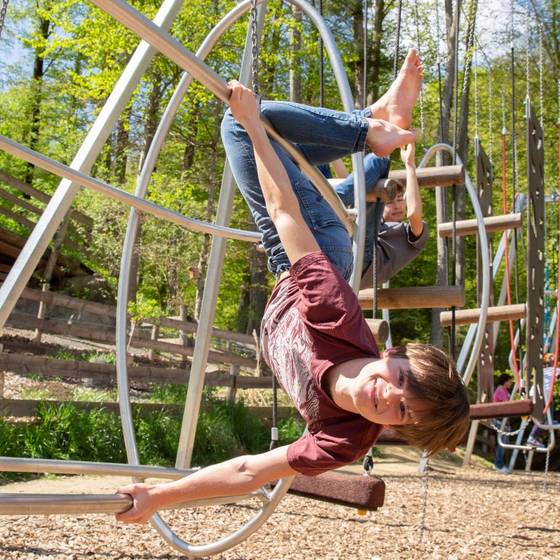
61	431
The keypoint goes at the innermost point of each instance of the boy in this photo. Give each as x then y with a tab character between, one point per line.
398	242
314	336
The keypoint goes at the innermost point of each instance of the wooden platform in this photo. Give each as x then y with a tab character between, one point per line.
358	491
414	297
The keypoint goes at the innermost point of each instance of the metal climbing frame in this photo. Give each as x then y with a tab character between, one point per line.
154	37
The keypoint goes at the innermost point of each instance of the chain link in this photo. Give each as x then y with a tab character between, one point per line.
3	11
541	85
254	48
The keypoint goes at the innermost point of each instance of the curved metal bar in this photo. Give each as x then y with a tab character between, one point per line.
48	164
61	200
173	50
157	521
484	255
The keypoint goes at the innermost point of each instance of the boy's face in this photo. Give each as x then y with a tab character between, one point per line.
394	210
381	394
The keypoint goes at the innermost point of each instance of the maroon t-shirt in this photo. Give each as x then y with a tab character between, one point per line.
313	321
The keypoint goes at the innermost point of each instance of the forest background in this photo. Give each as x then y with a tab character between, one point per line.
59	61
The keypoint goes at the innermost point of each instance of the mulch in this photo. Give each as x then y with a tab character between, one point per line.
473	513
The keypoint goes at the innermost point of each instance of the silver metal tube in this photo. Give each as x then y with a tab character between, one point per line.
484	256
61	200
173	50
79	504
14	464
62	170
63	504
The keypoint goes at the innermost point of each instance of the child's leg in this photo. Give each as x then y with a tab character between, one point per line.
322	134
331	235
375	168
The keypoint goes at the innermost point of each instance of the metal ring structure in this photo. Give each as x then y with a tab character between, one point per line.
141	189
484	256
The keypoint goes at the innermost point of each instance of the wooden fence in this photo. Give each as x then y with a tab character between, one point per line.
238	365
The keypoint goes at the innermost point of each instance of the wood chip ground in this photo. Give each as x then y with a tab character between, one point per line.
471	513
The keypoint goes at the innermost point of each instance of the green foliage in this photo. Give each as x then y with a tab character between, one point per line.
65	432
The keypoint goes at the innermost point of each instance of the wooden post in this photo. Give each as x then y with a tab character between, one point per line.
153	336
49	269
233	373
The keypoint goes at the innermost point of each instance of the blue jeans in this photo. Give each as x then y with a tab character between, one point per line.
324	135
375	168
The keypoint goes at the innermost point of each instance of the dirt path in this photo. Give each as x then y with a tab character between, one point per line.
471	513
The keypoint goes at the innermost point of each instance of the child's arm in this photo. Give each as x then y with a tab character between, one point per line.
339	169
230	478
281	202
412	194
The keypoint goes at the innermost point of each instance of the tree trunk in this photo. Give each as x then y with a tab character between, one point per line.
375	68
295	56
36	95
120	148
212	182
358	28
441	193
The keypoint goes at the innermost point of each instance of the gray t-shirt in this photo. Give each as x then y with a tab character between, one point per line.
396	247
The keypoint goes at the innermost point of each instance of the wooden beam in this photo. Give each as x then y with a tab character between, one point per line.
107	335
106	373
379	329
495	314
492	223
414	298
443	176
350	490
501	409
28	408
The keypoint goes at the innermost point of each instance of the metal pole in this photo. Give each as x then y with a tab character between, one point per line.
61	200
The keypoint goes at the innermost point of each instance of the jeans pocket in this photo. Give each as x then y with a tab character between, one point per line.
316	211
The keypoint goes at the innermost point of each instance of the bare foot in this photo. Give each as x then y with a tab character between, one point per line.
396	105
384	137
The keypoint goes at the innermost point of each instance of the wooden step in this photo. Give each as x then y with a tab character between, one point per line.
414	297
384	190
350	490
443	176
501	409
379	329
492	223
495	314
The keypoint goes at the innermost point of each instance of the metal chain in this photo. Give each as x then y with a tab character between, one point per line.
476	92
3	11
397	47
546	464
424	501
254	48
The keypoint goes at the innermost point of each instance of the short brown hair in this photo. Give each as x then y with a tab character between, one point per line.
442	419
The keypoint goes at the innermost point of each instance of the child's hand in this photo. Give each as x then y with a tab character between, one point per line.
243	104
143	505
407	155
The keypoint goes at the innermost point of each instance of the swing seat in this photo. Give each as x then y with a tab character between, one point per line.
350	490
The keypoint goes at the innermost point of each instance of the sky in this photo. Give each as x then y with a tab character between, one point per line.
493	25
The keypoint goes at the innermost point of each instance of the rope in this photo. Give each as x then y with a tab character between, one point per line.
424	500
3	11
506	246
